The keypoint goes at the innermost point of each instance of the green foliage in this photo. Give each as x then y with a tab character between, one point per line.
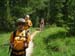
58	12
10	10
54	42
4	50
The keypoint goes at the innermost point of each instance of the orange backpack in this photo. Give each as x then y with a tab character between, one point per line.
20	42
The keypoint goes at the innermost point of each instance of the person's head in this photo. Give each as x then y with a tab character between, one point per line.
21	24
27	17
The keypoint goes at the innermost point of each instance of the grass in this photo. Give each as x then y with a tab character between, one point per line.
4	38
32	29
54	42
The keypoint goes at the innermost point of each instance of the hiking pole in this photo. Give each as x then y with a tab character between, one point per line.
10	48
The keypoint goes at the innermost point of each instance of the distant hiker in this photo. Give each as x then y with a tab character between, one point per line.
28	24
41	24
19	39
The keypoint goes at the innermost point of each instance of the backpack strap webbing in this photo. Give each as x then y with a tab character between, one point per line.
14	33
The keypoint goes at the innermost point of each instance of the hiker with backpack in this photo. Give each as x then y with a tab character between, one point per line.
28	24
19	39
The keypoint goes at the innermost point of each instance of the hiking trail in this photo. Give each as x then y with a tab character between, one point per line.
29	50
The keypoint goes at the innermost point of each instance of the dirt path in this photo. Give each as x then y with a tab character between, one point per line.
30	49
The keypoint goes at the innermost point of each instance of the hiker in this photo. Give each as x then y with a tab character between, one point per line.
19	39
28	24
41	24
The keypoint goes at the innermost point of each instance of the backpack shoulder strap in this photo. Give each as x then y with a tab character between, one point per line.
14	33
26	33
